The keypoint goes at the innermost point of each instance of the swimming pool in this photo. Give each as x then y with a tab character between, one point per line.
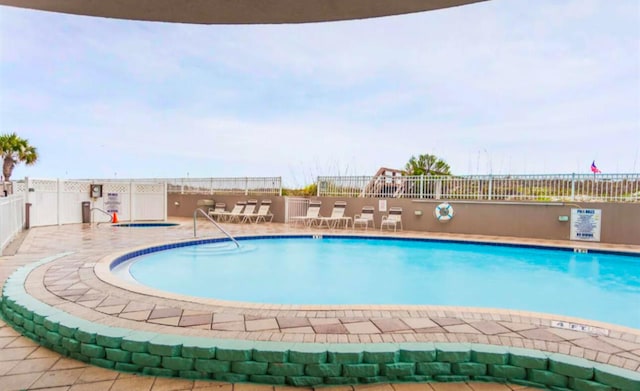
344	270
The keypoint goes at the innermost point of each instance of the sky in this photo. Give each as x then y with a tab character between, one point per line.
498	87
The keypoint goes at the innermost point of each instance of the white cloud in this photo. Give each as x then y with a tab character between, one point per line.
501	86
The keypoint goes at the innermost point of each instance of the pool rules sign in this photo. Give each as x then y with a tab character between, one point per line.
586	224
112	203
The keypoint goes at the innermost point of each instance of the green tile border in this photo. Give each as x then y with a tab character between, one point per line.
296	364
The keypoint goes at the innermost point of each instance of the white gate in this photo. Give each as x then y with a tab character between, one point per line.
294	207
56	202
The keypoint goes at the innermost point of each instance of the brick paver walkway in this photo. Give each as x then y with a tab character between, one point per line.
70	283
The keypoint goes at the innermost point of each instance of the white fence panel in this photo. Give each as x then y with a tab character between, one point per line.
11	218
119	192
43	196
55	202
150	201
73	193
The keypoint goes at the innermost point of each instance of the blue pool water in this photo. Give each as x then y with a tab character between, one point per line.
594	286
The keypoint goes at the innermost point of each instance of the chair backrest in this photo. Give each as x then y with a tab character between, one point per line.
367	212
314	209
338	209
237	208
251	207
220	207
395	213
264	207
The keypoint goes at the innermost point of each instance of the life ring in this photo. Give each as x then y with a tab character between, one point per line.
444	212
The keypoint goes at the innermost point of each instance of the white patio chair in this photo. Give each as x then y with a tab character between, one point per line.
235	213
364	218
393	219
313	212
337	215
262	214
248	211
218	210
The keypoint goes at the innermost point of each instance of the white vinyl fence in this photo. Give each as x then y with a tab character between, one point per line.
57	202
11	218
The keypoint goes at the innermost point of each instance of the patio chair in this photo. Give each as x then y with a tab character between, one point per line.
393	219
364	218
337	216
313	212
218	210
263	213
234	213
249	210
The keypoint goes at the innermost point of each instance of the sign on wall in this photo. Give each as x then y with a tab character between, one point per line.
382	205
112	203
586	224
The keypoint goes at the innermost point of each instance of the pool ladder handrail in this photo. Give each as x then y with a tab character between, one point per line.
195	217
103	211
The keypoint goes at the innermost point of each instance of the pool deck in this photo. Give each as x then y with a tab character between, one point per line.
70	283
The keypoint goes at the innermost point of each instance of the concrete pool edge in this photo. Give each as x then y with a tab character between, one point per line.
298	364
103	268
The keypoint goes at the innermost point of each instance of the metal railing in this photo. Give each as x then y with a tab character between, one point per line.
234	185
103	212
245	186
562	187
205	214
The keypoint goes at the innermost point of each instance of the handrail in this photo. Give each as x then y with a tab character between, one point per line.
103	211
195	215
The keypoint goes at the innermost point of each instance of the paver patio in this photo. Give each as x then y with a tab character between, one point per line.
70	283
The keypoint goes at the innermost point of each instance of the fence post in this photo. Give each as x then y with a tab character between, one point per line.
246	186
490	187
421	186
59	201
573	186
166	200
286	209
131	202
280	179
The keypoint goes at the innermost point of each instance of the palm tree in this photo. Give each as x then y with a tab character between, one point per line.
427	165
14	150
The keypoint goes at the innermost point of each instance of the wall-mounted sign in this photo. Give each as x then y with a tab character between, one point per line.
586	224
382	205
112	203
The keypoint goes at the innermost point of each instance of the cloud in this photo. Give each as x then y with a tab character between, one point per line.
496	86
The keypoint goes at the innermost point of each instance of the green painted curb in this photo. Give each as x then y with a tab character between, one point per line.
296	364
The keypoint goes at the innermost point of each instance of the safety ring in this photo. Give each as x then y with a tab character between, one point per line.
444	212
